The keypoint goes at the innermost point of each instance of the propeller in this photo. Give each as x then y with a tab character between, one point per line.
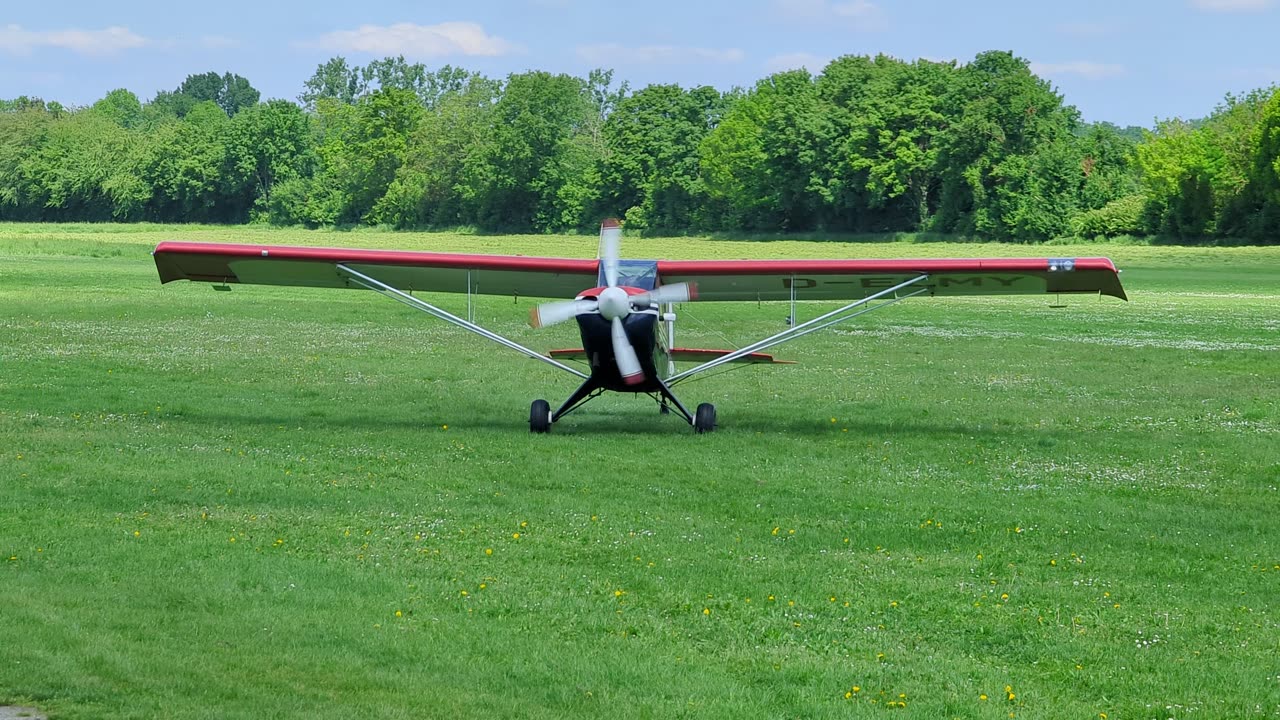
613	303
553	313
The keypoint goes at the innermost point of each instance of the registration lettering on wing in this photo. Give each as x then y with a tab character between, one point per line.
951	284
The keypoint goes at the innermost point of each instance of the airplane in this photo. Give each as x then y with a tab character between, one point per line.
627	319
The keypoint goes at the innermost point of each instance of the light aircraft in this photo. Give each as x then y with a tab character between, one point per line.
627	321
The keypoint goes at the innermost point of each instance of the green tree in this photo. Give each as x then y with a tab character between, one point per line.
533	154
334	80
186	164
121	107
763	156
228	91
436	185
1011	135
881	171
84	169
23	131
650	171
270	143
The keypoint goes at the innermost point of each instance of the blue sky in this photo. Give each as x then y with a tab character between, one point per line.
1126	61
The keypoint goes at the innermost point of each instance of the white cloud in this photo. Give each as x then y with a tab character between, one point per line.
1226	6
795	61
609	53
17	40
861	14
1083	68
410	40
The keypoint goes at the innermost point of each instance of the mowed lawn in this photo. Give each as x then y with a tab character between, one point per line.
320	504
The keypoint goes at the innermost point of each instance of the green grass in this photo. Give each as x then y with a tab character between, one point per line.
248	504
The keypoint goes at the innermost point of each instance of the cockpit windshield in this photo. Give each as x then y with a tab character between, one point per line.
641	274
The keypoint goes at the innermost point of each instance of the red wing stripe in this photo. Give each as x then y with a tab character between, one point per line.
855	267
383	257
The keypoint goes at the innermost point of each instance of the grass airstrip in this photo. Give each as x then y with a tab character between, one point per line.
284	502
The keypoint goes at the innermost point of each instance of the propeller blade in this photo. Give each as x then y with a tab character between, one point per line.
557	312
610	242
677	293
628	363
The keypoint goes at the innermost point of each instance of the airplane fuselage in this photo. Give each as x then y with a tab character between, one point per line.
641	330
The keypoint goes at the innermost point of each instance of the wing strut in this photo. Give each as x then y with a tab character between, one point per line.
822	321
386	290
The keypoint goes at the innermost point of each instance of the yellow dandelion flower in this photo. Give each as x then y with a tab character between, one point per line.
857	688
1053	563
1012	696
524	523
1004	596
791	531
775	530
832	598
464	593
399	614
136	533
233	538
893	604
791	603
770	598
515	536
833	420
488	551
444	427
484	585
1115	605
848	695
982	697
617	593
706	611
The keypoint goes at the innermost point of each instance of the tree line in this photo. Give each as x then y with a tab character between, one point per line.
869	145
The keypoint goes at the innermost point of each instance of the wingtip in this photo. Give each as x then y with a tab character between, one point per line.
610	223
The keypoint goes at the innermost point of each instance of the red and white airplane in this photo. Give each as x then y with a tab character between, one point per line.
627	321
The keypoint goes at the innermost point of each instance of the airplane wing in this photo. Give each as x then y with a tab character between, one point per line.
854	279
409	271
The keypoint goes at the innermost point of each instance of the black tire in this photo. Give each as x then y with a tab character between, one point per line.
540	417
704	420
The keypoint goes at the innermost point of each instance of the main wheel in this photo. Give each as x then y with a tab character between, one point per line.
540	417
704	420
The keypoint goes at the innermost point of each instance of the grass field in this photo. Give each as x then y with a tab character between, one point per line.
306	503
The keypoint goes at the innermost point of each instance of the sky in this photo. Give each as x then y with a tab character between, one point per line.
1129	62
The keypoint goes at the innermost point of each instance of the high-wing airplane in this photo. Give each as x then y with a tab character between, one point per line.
627	321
